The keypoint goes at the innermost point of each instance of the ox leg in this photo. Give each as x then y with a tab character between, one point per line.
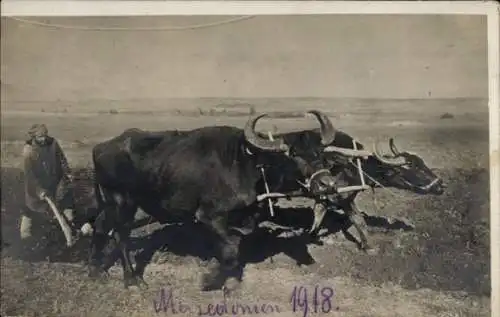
102	226
113	219
124	216
121	236
319	212
359	223
227	253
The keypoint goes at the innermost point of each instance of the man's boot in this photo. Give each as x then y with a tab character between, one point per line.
29	243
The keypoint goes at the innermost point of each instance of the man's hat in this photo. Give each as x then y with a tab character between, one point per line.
38	130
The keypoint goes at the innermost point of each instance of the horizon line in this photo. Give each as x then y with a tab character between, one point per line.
250	98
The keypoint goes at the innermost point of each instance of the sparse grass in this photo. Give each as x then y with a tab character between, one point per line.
418	273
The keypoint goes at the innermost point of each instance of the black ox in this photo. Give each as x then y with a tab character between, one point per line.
199	175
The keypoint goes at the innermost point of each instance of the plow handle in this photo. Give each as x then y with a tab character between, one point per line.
66	229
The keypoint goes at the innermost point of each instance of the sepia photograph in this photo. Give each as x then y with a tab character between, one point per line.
233	165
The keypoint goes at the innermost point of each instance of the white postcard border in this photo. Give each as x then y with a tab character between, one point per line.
12	8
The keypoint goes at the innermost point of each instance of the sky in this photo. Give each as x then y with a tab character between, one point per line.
365	56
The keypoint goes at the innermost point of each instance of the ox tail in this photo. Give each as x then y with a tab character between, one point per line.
87	229
99	195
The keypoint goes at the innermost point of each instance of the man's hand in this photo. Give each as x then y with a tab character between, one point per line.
42	195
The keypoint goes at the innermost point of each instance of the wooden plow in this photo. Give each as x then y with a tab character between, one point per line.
63	223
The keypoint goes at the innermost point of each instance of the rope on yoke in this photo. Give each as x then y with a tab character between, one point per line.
374	198
363	173
266	185
377	182
358	161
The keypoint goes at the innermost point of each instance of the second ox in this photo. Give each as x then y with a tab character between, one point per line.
340	152
199	175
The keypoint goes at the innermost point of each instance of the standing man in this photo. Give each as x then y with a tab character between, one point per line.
46	174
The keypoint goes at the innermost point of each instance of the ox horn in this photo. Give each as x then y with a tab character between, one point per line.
393	147
253	138
394	161
327	129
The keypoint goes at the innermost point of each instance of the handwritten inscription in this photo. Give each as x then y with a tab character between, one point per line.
168	304
304	300
317	300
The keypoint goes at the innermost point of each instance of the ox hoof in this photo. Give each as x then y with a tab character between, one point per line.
231	286
313	233
212	281
136	281
98	273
